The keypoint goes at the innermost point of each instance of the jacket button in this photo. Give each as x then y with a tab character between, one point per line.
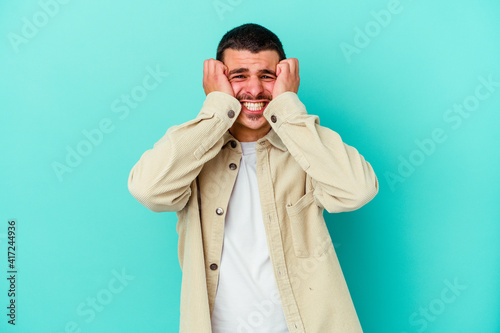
273	118
232	166
219	211
213	267
233	144
230	114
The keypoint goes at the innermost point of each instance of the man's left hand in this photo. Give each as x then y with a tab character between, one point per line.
287	72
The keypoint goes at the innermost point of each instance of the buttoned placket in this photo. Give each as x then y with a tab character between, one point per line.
232	156
219	232
275	244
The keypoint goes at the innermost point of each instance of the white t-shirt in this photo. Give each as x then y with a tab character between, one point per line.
247	299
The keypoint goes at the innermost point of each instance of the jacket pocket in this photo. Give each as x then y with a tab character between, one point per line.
309	232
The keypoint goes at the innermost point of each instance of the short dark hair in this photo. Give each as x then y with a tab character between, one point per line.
251	37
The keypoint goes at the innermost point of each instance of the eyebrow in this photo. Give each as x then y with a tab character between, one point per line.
244	70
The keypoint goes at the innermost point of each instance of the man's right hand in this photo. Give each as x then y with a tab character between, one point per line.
215	77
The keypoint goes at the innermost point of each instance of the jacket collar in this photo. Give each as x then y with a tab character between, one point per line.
271	136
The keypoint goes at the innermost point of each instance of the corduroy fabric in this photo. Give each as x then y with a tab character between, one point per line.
303	169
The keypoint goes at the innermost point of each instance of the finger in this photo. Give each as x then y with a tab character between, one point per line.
278	70
286	64
293	62
220	68
216	68
283	69
212	67
205	68
295	66
223	68
292	65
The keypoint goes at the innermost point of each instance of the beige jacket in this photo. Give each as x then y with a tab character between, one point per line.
302	169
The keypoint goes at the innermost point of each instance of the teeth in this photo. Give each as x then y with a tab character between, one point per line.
254	106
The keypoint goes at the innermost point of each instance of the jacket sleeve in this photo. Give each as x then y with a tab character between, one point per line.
161	179
341	178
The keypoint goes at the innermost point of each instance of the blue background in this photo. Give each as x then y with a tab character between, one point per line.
65	67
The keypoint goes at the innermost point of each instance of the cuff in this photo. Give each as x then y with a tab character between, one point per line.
283	107
225	106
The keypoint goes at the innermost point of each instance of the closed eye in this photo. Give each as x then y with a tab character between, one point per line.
265	77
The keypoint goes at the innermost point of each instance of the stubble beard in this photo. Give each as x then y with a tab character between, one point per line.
254	117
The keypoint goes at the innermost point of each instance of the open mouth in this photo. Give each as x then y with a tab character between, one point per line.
254	106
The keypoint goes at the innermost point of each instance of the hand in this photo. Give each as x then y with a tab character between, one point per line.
287	72
215	77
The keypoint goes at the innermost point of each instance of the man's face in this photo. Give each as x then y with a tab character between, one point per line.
252	76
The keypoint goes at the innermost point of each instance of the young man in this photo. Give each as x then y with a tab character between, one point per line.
249	178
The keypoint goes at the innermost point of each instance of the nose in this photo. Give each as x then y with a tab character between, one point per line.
254	86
